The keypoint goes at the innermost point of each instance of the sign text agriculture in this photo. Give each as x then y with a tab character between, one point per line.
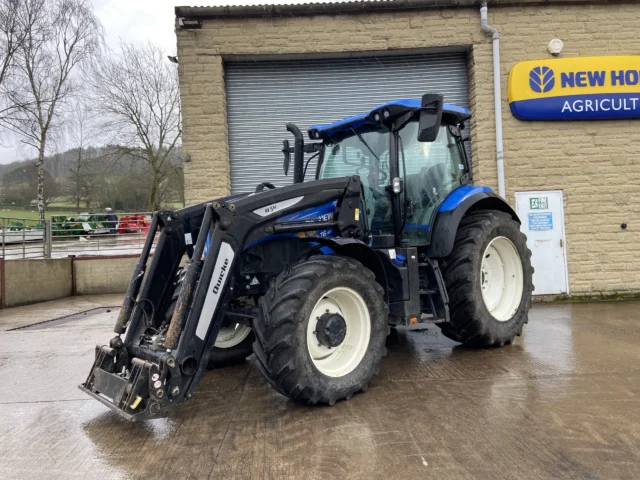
587	88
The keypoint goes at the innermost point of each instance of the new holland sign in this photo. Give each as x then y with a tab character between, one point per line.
588	88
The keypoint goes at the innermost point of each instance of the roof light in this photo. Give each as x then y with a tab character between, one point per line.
376	117
386	113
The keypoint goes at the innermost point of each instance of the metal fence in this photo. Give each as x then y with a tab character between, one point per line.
82	235
21	238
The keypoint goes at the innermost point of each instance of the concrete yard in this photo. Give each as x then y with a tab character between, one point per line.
562	402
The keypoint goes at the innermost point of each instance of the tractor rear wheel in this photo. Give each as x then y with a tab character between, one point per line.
321	329
488	276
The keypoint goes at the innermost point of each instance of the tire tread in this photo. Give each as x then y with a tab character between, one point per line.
275	340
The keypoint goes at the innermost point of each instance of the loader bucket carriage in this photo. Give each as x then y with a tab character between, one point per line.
391	231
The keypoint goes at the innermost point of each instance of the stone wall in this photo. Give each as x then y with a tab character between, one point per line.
103	274
33	281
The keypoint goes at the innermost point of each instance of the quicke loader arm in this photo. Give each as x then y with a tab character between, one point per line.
145	375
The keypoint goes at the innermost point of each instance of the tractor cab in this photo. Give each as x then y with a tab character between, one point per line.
409	155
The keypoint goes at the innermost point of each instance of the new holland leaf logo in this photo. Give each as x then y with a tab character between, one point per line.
542	79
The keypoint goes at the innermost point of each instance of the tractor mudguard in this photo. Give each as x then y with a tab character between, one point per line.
358	250
454	208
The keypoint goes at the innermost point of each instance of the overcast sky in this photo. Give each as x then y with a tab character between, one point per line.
135	21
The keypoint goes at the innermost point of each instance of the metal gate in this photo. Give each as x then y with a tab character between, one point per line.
263	96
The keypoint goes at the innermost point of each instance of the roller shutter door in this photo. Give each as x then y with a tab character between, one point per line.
263	96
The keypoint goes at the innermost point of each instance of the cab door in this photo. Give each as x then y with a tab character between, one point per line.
431	170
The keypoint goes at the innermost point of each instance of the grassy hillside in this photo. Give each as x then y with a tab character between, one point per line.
29	214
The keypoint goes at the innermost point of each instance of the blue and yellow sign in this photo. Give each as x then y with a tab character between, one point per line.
587	88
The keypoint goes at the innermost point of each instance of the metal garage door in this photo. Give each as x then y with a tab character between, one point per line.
263	96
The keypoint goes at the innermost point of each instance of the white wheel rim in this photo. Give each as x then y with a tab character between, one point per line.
232	335
343	359
501	279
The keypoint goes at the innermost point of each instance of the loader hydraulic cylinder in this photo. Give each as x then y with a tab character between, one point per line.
136	280
192	274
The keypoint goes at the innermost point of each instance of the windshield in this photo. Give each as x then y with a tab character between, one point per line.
367	155
430	171
363	154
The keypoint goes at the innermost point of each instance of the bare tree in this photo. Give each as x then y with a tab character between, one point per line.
83	181
12	33
15	18
137	91
64	34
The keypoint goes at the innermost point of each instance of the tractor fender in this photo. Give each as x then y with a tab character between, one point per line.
358	250
451	213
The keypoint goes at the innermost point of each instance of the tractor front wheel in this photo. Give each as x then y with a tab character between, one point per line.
233	345
234	342
489	281
321	329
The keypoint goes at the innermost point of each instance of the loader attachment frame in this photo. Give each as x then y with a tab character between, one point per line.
159	363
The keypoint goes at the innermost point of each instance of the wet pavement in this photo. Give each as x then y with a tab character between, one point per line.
562	402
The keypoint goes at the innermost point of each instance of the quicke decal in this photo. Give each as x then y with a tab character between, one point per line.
216	287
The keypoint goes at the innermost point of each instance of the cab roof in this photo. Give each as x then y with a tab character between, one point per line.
451	114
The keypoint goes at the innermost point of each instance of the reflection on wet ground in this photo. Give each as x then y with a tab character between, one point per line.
562	402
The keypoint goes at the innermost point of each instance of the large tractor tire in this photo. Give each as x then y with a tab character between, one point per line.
488	276
234	342
321	329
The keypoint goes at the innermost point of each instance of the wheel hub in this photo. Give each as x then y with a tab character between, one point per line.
232	335
331	329
349	330
486	275
501	279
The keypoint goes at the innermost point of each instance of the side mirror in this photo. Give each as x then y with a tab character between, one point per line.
430	117
287	156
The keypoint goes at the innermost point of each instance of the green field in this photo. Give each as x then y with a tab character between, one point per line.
29	214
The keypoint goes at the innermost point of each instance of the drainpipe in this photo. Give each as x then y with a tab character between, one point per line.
3	293
497	92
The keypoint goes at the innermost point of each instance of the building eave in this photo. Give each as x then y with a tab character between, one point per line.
360	7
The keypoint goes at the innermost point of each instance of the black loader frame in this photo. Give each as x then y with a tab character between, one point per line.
143	376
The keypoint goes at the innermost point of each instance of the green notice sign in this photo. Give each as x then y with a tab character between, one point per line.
539	203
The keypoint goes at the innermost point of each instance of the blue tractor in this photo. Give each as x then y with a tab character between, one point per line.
390	231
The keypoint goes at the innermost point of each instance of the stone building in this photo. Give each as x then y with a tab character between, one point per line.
247	70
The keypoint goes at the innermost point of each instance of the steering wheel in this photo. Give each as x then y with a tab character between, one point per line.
432	183
360	168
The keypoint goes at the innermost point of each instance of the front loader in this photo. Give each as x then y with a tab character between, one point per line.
390	232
